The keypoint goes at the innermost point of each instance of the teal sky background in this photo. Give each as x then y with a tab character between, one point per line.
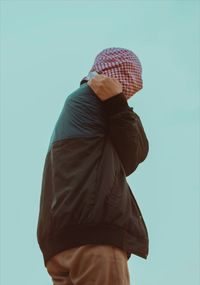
46	49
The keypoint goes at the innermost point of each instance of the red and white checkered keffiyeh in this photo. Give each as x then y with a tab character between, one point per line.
121	64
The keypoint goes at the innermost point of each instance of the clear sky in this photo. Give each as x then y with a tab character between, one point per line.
46	49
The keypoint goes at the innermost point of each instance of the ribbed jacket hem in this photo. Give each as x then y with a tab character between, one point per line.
86	234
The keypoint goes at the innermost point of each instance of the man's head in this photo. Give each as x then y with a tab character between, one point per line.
121	64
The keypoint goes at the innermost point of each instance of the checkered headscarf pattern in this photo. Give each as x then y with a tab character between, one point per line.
121	64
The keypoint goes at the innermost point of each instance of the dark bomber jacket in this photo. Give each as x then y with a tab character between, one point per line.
85	197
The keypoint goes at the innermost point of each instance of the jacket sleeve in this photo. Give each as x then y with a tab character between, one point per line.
126	132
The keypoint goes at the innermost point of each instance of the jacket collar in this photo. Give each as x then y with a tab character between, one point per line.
90	75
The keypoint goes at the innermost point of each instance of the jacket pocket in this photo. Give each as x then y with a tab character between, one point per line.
139	214
115	193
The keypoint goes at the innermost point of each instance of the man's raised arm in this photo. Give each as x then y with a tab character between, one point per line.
125	127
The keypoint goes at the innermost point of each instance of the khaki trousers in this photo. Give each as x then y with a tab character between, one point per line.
90	265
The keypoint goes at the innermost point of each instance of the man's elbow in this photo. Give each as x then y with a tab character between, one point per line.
144	150
136	158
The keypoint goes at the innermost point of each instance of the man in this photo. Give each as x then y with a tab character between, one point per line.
89	222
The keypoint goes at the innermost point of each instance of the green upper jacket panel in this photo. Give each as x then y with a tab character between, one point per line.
82	115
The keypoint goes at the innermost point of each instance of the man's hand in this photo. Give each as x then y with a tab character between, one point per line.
104	86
